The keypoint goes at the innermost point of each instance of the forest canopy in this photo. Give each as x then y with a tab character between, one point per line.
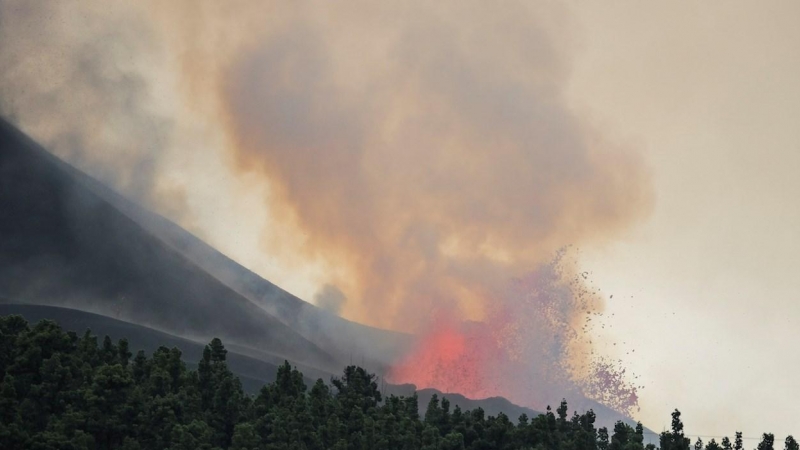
59	390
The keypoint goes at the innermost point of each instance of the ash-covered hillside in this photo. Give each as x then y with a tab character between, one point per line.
67	240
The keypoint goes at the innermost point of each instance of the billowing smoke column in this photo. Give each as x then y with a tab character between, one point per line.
425	154
429	158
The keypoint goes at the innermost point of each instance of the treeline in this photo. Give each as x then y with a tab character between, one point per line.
59	390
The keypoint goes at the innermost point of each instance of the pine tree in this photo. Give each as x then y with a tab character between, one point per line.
712	445
767	442
562	410
726	444
602	439
245	437
357	389
675	440
452	441
58	390
109	352
124	354
621	436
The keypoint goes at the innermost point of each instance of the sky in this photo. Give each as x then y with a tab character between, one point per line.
381	158
704	290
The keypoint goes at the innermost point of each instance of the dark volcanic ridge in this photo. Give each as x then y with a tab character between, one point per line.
66	240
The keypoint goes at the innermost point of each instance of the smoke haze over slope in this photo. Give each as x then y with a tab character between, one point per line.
78	79
423	155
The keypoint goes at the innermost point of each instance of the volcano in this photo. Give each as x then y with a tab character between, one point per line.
75	251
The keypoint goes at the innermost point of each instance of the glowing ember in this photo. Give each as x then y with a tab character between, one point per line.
528	349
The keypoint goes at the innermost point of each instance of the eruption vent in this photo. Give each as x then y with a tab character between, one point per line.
533	347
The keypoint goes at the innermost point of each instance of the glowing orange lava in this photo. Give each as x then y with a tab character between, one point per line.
528	349
450	358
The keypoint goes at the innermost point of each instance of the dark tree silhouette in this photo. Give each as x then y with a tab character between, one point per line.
59	390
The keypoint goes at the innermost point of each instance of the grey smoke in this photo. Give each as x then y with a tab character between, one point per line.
73	75
330	298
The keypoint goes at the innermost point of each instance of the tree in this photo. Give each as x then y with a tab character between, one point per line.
289	385
357	389
192	436
790	443
320	403
436	415
60	391
430	438
108	353
452	441
124	352
106	401
562	416
620	437
726	444
245	437
767	442
712	445
602	438
675	440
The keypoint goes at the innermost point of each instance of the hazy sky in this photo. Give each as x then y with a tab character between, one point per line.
347	146
706	290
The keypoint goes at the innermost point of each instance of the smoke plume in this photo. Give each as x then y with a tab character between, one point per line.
330	298
425	153
79	78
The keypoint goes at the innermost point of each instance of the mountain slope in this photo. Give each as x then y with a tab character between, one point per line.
39	188
338	336
62	244
254	372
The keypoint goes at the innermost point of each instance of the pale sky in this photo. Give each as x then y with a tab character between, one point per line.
706	289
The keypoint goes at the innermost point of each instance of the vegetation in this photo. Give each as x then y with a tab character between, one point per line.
59	390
